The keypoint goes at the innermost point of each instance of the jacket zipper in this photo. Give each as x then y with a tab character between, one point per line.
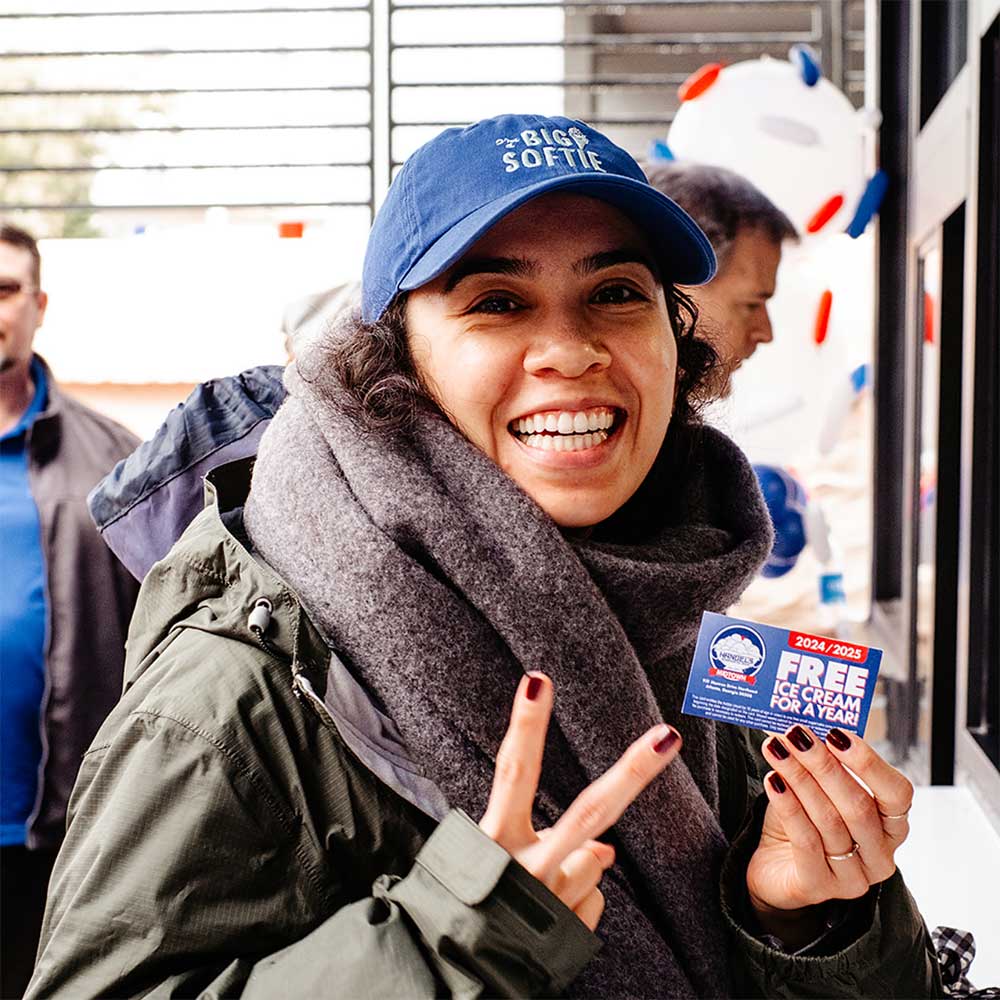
304	691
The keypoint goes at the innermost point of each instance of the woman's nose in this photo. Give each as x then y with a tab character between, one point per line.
565	346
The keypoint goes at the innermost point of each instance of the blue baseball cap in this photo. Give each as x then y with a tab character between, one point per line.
456	187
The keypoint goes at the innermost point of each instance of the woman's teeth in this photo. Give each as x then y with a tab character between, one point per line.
566	421
565	442
565	430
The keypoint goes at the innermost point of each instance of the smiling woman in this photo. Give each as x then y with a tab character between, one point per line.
490	487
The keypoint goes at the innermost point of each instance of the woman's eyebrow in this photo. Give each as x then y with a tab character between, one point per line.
611	258
518	267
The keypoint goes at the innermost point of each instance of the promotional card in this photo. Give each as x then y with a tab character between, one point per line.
771	678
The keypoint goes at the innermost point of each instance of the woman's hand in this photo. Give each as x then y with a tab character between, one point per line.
565	857
824	837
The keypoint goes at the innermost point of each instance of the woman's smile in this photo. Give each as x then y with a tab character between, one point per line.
568	437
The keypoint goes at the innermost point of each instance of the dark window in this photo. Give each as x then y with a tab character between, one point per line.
945	507
890	346
983	718
943	47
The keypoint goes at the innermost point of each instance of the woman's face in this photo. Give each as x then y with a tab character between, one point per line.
550	347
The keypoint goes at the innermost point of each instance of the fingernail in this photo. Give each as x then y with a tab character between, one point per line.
777	783
778	748
534	687
839	739
799	739
667	743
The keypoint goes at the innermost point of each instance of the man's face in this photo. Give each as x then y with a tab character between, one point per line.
21	311
550	347
733	306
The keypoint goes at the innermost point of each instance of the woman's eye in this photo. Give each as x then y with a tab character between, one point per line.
495	304
618	295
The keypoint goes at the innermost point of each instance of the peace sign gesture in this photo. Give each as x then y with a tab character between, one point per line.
566	858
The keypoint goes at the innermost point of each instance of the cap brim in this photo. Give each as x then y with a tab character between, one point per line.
682	249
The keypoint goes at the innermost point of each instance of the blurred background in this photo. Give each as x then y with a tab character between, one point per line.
196	169
165	151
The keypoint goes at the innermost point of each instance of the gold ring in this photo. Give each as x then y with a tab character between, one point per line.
844	857
901	815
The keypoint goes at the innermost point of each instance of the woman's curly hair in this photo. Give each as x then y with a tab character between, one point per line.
383	391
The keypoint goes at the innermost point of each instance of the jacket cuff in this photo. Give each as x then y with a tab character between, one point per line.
479	909
843	922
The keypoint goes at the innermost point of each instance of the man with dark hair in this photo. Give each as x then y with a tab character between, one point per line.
65	603
747	231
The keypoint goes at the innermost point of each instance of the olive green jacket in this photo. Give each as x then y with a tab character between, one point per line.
224	841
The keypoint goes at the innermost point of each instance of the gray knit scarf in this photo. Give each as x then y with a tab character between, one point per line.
440	582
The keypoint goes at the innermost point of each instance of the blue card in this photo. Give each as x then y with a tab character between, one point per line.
771	678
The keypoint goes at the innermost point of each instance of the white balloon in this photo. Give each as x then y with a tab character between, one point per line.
800	145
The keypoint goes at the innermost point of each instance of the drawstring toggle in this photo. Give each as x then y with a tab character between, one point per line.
260	618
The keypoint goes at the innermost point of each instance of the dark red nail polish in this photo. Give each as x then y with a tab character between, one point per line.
778	783
534	686
667	743
839	739
778	748
799	739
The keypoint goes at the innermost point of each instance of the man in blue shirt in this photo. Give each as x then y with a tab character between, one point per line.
56	684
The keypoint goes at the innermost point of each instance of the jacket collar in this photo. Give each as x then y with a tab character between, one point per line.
210	581
289	633
45	432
